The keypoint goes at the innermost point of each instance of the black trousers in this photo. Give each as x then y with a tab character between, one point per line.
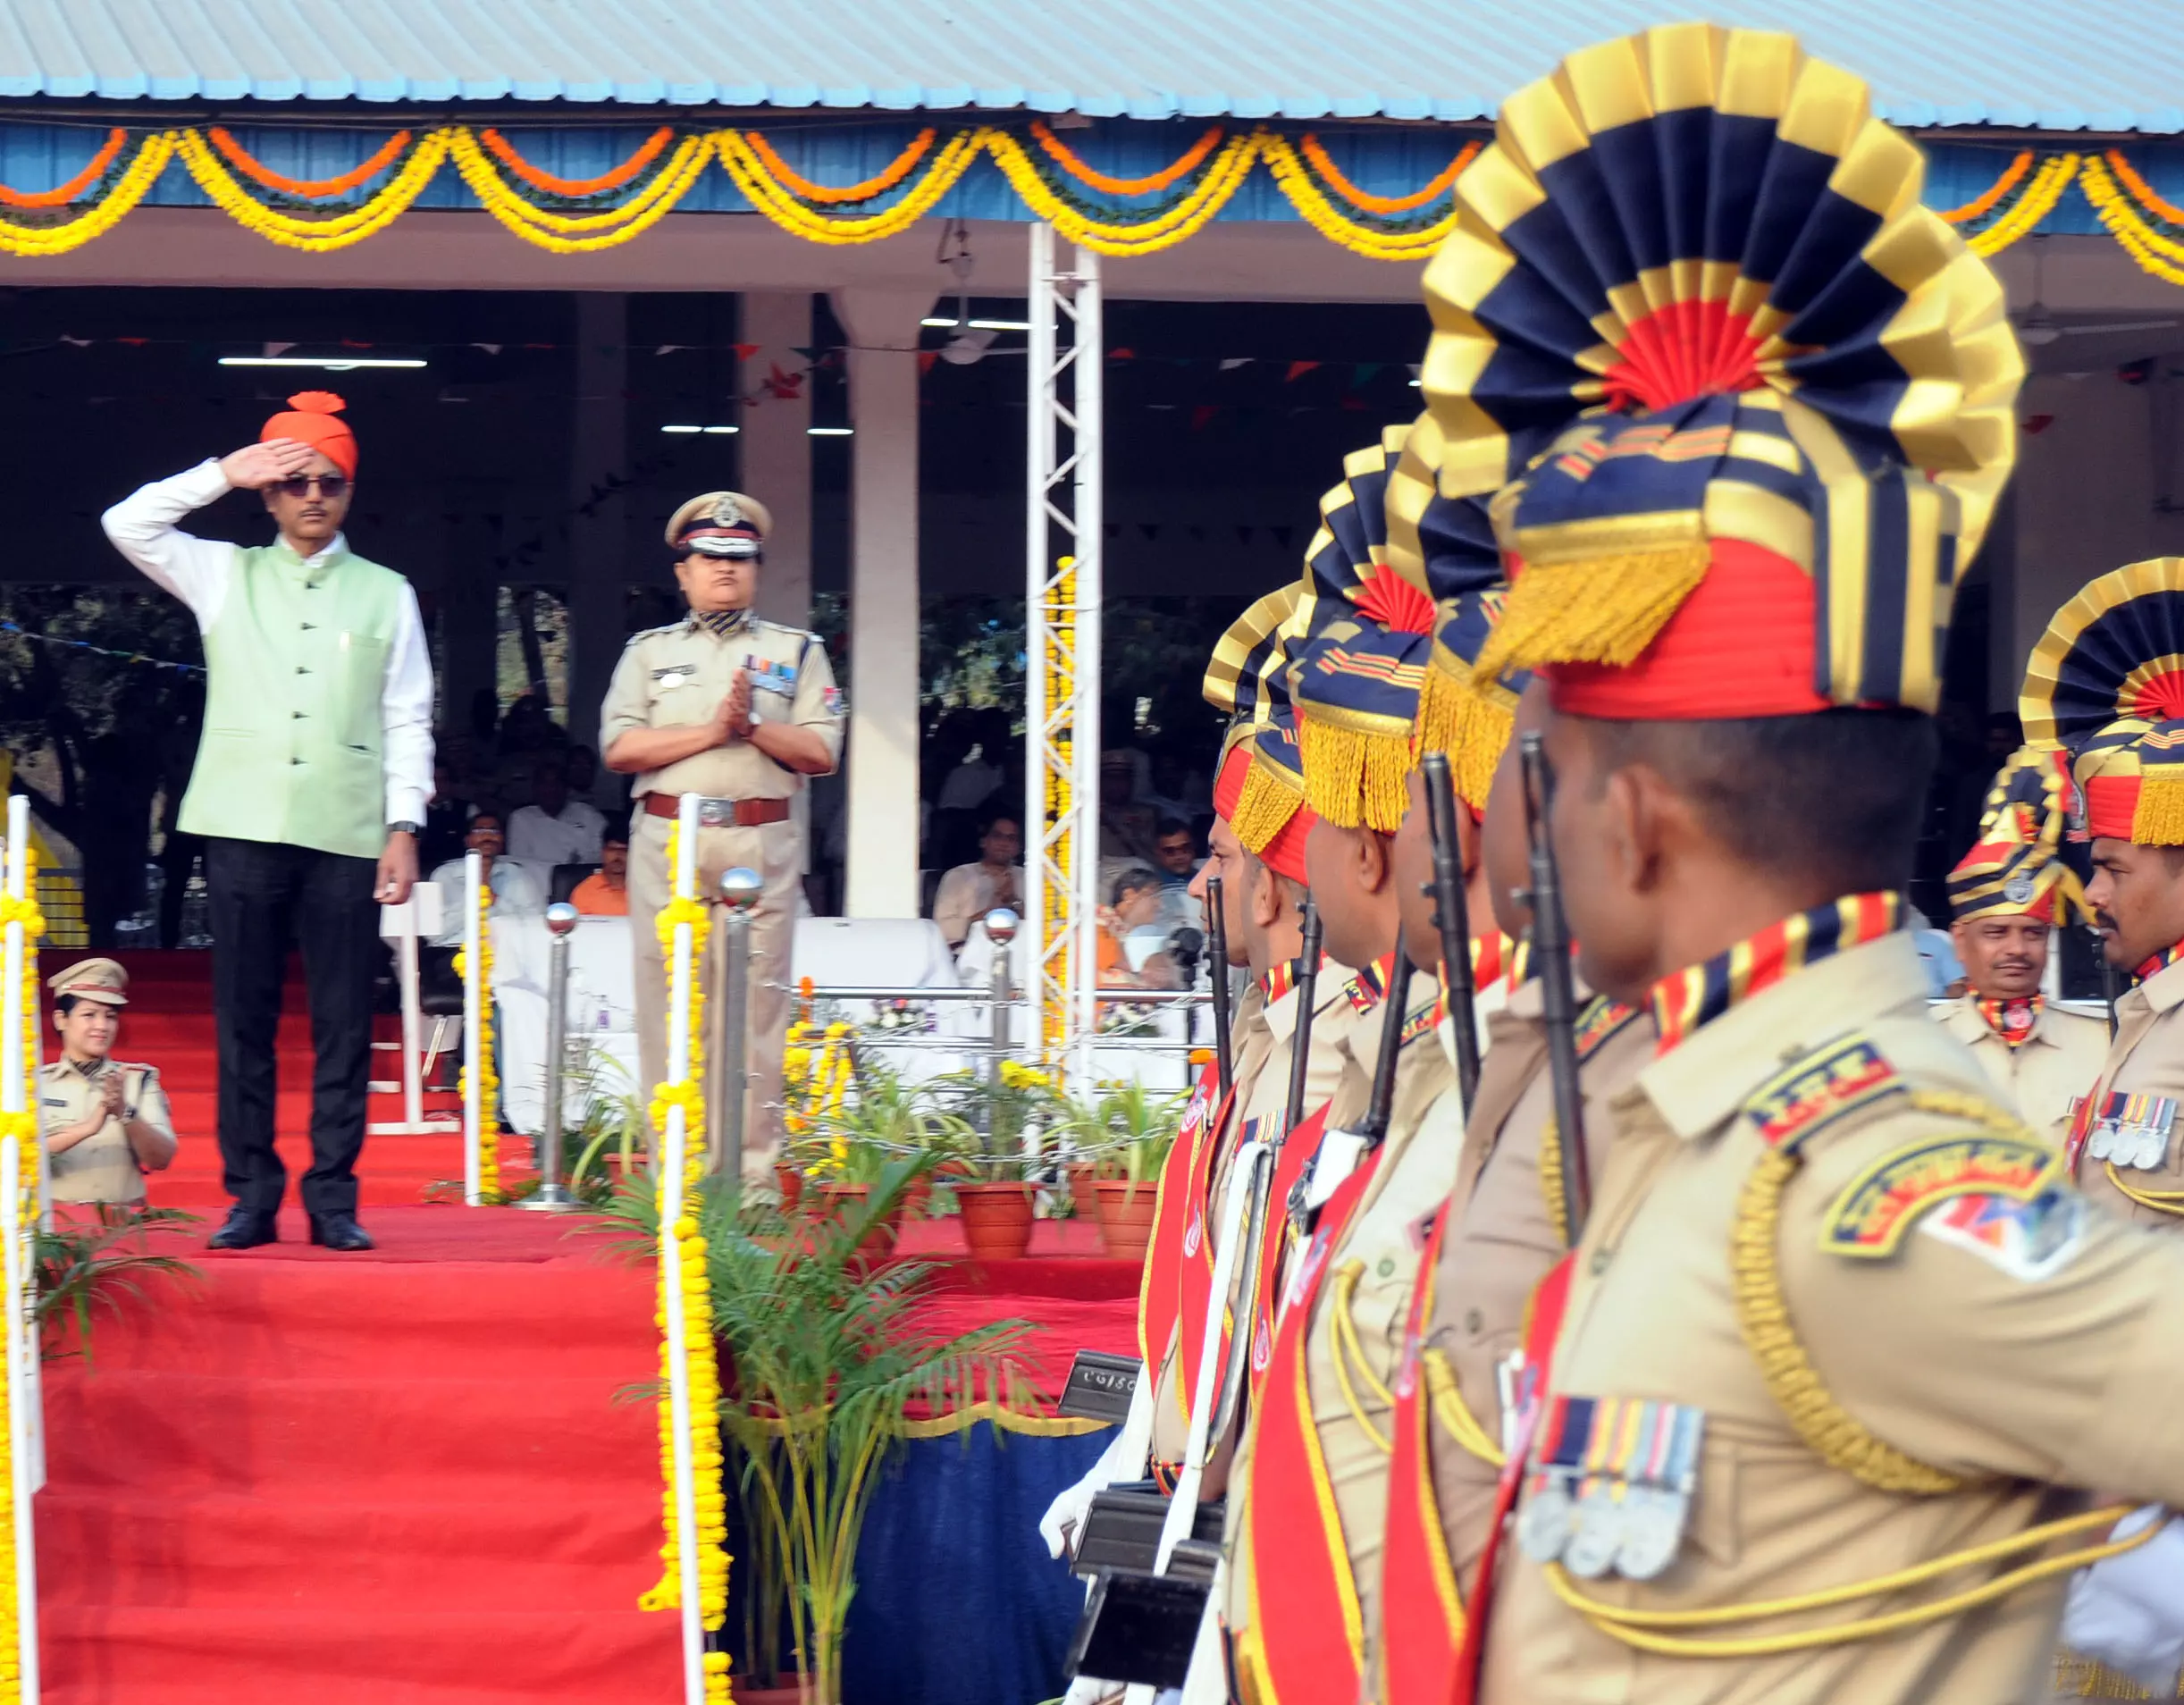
264	896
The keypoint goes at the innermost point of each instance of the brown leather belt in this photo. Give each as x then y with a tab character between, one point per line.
721	813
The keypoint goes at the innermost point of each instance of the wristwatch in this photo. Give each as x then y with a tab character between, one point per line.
404	827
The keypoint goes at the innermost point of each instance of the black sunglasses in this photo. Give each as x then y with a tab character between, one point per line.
330	485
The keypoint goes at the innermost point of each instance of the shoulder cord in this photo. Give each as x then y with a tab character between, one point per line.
1838	1438
1454	1413
1552	1190
2170	1202
1636	1628
1348	1348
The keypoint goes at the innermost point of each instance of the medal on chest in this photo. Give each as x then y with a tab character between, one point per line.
1611	1485
2131	1130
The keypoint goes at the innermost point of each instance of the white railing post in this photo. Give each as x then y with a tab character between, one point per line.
474	996
27	1417
674	1156
22	1403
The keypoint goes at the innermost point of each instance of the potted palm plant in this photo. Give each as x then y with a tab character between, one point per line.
1122	1138
823	1360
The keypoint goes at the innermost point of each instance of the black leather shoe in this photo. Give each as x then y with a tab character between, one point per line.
245	1229
339	1231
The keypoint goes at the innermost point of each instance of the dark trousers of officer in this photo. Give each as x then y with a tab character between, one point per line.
262	896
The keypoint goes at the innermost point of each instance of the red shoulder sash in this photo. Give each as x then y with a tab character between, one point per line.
1421	1610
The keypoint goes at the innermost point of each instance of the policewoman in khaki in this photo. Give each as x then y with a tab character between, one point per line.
2104	685
104	1123
741	712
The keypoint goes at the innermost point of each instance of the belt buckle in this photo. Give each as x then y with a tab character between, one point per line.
716	814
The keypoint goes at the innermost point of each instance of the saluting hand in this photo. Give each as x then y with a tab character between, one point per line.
256	466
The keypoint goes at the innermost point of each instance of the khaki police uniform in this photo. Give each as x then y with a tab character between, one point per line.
1505	1232
103	1166
1370	1272
674	676
2132	1159
1957	1361
2048	1073
1261	1068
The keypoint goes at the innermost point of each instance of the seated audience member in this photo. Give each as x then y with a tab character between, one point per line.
1134	905
104	1123
969	891
557	829
1175	852
447	817
605	893
518	892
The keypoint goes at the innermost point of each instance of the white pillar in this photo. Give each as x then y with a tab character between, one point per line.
883	600
775	449
597	532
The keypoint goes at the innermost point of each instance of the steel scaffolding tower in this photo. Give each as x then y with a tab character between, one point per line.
1063	540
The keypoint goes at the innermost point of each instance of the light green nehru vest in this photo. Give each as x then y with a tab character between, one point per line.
297	665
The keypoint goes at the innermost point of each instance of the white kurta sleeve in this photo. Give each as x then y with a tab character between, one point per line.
141	525
406	717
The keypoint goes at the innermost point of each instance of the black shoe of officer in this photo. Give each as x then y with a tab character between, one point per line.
339	1231
245	1229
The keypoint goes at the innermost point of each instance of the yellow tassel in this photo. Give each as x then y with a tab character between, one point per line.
1552	1190
1355	780
1595	610
1474	730
2158	819
1263	807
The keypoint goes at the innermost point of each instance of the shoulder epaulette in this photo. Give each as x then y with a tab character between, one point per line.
651	633
1830	1083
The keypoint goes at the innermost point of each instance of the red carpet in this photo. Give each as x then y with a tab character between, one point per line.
402	1477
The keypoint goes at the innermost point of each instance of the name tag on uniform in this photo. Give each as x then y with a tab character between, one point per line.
675	675
2131	1130
771	678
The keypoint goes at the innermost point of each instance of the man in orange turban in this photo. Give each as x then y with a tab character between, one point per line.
311	778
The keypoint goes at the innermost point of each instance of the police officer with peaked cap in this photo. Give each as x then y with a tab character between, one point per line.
739	711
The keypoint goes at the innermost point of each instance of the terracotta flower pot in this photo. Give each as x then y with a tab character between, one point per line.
1082	1176
791	1185
997	1220
839	1201
1126	1215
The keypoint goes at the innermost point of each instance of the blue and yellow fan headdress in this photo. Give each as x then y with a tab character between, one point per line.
2016	867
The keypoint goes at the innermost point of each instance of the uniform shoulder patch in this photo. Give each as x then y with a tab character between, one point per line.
2030	1239
1829	1083
1869	1219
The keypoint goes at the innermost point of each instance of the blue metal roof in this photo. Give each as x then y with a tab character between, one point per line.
2027	65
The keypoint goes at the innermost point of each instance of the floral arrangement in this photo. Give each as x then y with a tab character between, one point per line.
489	1074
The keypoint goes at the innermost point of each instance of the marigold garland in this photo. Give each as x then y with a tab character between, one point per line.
314	235
1063	155
554	232
576	188
134	183
893	173
817	1082
2142	192
1313	206
307	188
61	194
683	1264
489	1074
2155	252
2026	211
24	1125
748	174
1981	206
1301	169
1317	156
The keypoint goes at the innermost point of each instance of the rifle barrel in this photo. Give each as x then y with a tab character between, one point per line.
1452	918
1217	974
1300	1046
1380	1109
1550	941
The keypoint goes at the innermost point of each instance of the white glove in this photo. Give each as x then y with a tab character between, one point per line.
2128	1612
1124	1459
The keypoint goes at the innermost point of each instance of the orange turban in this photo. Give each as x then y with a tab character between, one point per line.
314	423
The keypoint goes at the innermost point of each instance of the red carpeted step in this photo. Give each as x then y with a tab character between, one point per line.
406	1477
450	1656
